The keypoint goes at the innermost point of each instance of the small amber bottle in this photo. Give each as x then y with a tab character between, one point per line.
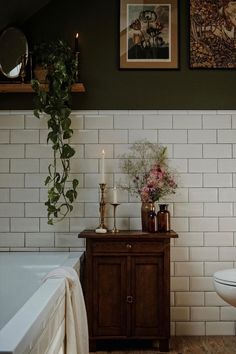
152	220
163	218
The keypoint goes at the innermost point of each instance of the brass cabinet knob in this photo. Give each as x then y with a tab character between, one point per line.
128	245
129	299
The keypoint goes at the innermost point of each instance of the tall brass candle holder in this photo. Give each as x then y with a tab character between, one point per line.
102	227
115	205
23	67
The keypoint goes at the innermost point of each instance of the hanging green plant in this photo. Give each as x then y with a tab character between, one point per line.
56	104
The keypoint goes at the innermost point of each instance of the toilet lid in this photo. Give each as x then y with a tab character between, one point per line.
227	276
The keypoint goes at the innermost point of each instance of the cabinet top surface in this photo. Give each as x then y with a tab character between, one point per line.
128	234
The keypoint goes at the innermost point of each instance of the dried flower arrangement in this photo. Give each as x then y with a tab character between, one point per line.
147	167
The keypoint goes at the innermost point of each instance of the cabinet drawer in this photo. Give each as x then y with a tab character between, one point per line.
128	246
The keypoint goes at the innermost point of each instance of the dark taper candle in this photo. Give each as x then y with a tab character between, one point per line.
77	42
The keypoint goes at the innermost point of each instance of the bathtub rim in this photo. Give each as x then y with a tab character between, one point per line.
20	331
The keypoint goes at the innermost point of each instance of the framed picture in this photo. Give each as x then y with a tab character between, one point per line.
212	34
149	34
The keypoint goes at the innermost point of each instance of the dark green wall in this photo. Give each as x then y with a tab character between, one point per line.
107	87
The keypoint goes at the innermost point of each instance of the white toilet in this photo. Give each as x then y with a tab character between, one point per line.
225	285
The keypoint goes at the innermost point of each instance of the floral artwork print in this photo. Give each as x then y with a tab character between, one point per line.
148	32
213	34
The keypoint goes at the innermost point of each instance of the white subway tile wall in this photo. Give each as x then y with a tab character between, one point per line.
201	147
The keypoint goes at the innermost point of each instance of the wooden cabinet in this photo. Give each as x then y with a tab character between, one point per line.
127	286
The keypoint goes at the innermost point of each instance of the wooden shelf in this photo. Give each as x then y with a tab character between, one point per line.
27	88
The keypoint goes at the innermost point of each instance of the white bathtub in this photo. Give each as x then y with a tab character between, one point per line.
32	311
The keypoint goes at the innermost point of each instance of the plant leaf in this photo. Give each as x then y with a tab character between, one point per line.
67	152
68	134
70	195
47	180
75	183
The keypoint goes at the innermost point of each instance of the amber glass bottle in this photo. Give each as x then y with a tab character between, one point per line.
163	218
152	220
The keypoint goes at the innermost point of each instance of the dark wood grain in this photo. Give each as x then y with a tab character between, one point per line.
147	285
27	88
127	286
109	286
130	246
135	234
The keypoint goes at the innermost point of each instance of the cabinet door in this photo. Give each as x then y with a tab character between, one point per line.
150	297
109	286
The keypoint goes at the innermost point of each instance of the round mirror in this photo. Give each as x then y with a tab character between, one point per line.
13	52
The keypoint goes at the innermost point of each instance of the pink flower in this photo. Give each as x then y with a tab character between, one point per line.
157	184
157	172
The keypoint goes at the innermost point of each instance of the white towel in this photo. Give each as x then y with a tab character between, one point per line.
76	317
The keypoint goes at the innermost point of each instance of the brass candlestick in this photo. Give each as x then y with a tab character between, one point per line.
23	67
102	206
31	65
115	205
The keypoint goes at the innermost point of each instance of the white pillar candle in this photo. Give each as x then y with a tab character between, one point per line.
103	167
114	195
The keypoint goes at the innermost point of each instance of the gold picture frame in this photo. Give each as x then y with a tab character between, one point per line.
149	34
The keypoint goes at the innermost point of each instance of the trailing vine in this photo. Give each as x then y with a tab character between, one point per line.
56	104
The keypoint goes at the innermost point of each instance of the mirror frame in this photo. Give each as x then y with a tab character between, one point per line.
26	53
